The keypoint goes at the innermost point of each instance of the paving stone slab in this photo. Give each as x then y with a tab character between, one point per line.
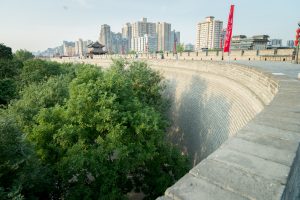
272	131
240	181
262	151
252	164
281	141
278	124
192	188
285	114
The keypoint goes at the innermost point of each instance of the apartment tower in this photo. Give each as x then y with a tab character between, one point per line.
209	34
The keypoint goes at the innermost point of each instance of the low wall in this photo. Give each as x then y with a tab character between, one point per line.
282	55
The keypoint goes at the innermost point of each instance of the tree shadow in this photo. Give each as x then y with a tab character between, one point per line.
199	117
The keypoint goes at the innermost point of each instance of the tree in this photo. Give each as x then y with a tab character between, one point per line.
21	176
9	73
180	48
39	70
5	52
132	52
100	133
23	55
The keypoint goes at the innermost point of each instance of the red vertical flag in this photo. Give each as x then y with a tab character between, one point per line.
297	37
229	30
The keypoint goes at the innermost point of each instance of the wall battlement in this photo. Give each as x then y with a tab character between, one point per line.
282	55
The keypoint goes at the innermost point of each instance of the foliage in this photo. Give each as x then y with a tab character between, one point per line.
5	52
20	173
9	73
180	48
39	70
8	90
100	134
132	52
23	55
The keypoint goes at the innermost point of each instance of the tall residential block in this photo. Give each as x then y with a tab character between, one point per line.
140	28
145	44
105	37
127	33
69	48
209	34
163	30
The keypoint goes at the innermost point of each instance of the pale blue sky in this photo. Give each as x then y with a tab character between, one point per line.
39	24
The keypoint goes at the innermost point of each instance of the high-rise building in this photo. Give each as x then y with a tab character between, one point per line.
81	49
105	37
290	43
163	30
76	48
69	48
145	44
140	28
116	43
127	33
175	39
209	34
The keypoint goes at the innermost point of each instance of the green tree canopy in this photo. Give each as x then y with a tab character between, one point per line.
5	52
100	134
180	47
9	73
21	174
23	55
39	70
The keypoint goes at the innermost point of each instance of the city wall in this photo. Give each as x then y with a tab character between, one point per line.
240	127
282	55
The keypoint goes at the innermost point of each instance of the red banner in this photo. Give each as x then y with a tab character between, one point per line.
229	30
297	37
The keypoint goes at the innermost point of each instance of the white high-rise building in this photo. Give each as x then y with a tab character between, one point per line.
163	30
80	47
145	44
105	37
209	34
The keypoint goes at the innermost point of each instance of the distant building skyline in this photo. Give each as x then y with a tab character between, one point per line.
37	25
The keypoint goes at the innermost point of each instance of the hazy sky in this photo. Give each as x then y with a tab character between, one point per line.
39	24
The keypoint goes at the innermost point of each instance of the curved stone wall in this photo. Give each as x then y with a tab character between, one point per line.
211	102
241	123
